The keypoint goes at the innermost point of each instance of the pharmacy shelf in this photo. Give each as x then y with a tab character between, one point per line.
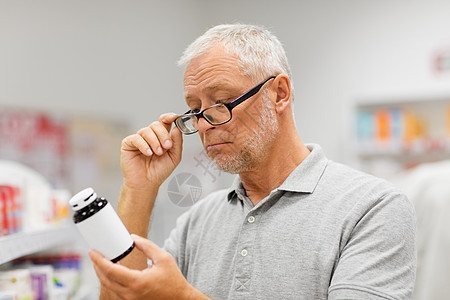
404	154
407	131
20	244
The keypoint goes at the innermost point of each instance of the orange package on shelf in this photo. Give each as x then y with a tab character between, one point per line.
410	132
383	121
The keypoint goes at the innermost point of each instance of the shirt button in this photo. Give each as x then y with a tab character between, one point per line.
251	219
244	252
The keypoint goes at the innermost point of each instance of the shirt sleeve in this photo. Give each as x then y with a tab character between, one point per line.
378	261
175	244
170	244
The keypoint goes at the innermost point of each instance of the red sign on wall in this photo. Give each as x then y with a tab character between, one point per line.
442	60
37	140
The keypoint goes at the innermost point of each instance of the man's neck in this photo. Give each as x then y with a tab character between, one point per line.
273	171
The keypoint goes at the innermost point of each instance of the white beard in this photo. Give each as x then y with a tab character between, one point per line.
256	145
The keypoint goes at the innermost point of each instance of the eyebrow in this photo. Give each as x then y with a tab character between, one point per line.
219	85
214	87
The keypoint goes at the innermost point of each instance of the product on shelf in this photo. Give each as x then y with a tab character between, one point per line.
17	282
399	130
10	208
51	276
27	200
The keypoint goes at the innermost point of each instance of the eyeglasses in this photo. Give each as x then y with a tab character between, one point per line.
216	114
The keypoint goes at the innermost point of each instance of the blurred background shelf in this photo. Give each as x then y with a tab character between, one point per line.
402	132
20	244
401	154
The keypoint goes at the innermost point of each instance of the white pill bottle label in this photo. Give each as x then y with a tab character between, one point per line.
100	226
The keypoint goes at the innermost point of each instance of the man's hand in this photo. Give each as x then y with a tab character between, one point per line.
150	156
147	159
163	280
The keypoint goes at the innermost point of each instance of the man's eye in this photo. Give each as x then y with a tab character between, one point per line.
224	101
195	110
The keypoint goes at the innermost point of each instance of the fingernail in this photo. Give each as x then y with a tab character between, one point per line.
159	150
149	152
167	144
135	236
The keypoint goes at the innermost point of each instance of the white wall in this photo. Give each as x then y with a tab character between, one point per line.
106	58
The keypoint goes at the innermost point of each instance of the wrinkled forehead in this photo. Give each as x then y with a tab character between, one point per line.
218	62
218	52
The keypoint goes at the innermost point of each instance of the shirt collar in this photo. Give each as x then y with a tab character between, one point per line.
235	187
303	179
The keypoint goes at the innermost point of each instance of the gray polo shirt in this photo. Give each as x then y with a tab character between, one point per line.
328	232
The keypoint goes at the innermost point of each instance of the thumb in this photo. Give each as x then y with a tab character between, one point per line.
150	249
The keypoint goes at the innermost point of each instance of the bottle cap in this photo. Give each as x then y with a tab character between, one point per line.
83	199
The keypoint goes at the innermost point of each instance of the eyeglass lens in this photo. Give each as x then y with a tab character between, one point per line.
215	115
186	123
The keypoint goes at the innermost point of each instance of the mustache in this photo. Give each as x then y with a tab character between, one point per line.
229	136
222	138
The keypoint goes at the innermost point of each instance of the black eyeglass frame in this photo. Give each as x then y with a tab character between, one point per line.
230	105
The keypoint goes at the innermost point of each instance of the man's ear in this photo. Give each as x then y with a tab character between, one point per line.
283	90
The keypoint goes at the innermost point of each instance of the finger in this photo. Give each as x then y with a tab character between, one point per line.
113	286
101	274
150	249
167	120
114	276
162	134
136	142
150	137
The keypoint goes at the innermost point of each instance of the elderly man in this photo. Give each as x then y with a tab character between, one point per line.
293	225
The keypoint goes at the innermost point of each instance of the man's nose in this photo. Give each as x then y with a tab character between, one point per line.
203	125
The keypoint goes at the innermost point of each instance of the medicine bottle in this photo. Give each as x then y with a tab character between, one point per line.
100	226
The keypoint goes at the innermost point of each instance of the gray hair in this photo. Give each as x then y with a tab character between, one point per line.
259	52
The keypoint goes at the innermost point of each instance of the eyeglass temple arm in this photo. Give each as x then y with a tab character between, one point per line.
188	112
247	95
